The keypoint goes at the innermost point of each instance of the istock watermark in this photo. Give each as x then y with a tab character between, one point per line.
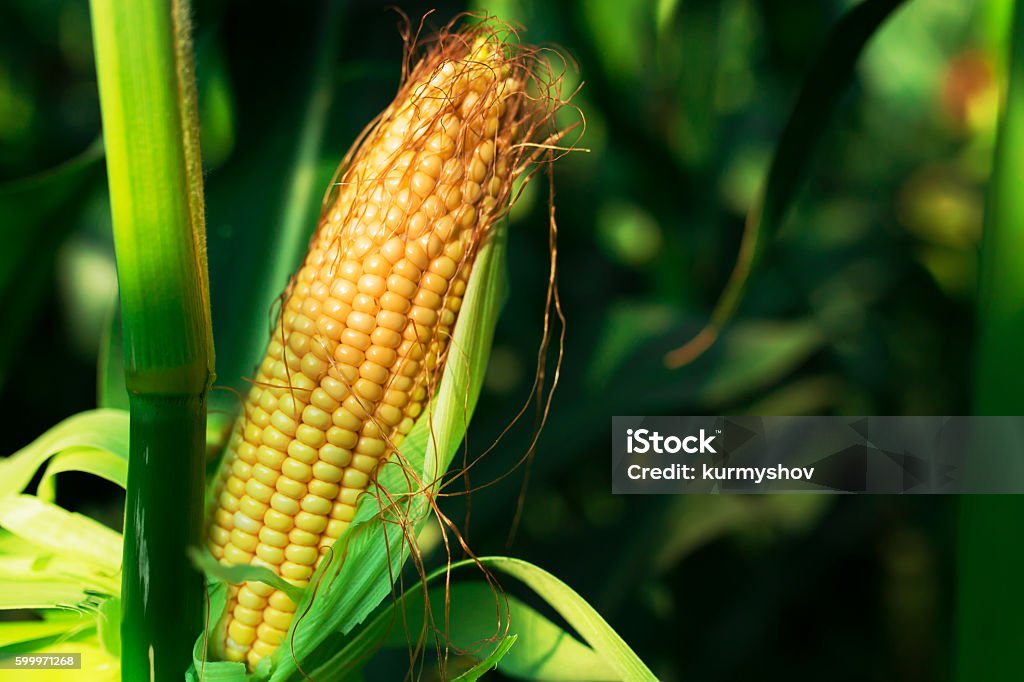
880	454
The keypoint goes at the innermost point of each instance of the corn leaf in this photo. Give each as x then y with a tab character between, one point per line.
102	463
480	621
240	573
26	631
587	622
101	430
58	531
819	96
489	663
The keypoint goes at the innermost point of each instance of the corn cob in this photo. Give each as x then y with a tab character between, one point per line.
366	321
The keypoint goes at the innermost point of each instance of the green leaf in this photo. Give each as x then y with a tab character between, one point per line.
59	531
479	620
489	663
587	622
100	430
25	631
102	463
819	97
239	573
214	671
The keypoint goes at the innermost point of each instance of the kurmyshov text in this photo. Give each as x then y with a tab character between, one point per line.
642	441
676	455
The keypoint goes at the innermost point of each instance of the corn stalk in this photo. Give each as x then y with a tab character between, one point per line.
147	97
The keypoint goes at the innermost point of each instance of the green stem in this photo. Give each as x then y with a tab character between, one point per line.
990	597
148	103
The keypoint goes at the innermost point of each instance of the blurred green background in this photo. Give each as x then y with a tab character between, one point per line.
864	305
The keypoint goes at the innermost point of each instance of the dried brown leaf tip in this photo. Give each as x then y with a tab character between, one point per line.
366	322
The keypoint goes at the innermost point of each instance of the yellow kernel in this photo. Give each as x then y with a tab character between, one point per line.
373	372
281	423
335	528
241	633
334	456
311	435
274	538
294	469
422	184
391	320
260	649
270	554
300	536
343	512
434	282
243	541
281	602
344	419
284	504
366	463
294	571
302	555
278	619
312	365
385	357
407	268
325	471
427	299
274	438
322	400
253	509
355	338
372	285
250	600
392	302
342	438
401	285
423	316
389	414
291	487
393	249
396	398
355	479
360	322
324	489
221	536
358	406
368	389
278	521
234	555
268	633
245	523
233	490
386	338
314	504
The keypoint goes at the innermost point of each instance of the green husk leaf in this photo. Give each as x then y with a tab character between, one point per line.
489	663
478	618
240	573
102	429
214	671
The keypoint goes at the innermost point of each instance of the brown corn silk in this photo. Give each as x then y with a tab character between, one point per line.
366	321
